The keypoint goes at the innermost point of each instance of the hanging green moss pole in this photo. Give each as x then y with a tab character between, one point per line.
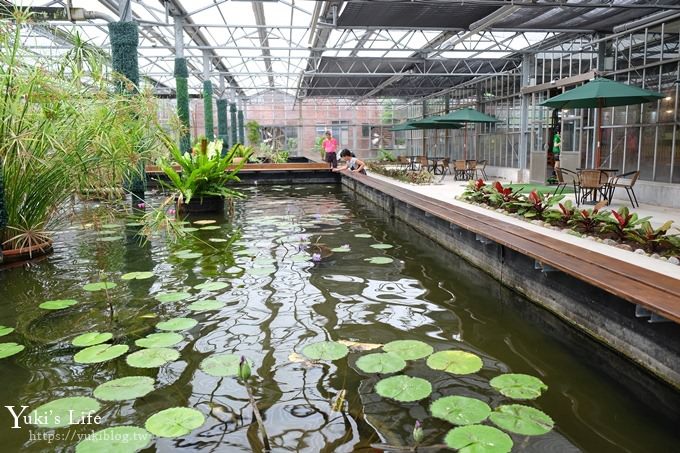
208	110
124	37
222	131
3	211
241	130
234	124
181	76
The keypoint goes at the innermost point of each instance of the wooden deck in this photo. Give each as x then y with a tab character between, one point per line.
261	168
657	292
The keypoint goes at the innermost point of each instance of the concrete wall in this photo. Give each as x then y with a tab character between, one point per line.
601	315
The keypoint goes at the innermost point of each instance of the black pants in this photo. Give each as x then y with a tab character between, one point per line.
332	159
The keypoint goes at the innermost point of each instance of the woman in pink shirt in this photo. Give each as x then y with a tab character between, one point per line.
330	145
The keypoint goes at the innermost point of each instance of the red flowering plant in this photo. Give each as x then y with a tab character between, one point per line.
537	205
586	220
622	223
476	191
504	197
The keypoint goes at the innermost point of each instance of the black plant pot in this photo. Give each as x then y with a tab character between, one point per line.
202	204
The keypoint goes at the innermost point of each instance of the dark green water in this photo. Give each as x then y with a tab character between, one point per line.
599	402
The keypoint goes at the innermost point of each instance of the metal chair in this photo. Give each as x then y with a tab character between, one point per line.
590	184
459	170
471	166
481	168
615	182
424	163
444	164
562	175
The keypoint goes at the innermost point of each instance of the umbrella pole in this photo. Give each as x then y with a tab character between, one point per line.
598	148
465	142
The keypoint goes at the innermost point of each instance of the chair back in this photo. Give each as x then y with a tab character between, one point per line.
559	175
634	178
423	161
590	179
471	164
403	160
459	165
446	162
482	164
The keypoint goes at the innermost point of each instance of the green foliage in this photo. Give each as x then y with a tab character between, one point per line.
174	422
404	388
124	37
386	156
413	177
520	419
478	439
519	386
325	350
126	388
159	340
536	206
460	410
208	109
408	349
91	339
204	172
220	365
182	89
253	133
588	220
100	353
652	239
57	413
176	324
118	439
152	357
456	362
622	223
381	363
222	131
9	349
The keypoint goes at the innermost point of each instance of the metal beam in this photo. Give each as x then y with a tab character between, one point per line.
258	10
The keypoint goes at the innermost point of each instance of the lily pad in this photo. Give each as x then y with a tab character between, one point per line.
261	271
379	260
456	362
159	340
210	227
63	411
381	246
9	349
109	238
342	249
98	286
206	305
520	419
91	339
4	330
172	297
409	349
404	388
519	386
57	304
189	256
174	422
218	240
189	229
460	410
137	275
177	324
212	286
325	350
118	439
100	353
381	363
478	439
220	365
362	235
127	388
233	270
204	222
152	357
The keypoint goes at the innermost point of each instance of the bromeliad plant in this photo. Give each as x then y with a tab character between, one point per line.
587	221
204	171
503	197
622	223
537	206
653	239
476	191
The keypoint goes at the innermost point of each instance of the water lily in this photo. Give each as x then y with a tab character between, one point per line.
418	432
141	205
171	211
243	369
316	257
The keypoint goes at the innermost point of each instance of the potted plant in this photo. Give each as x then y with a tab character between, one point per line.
201	186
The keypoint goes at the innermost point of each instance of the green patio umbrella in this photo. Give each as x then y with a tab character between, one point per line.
464	116
403	127
599	93
430	123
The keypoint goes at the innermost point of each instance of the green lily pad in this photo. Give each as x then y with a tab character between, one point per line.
91	339
261	271
409	349
379	260
118	439
381	363
189	229
182	252
478	439
152	357
220	365
109	238
325	350
381	246
456	362
210	227
58	413
519	386
362	235
4	330
127	388
460	410
137	275
9	349
159	340
212	286
57	304
218	240
177	324
520	419
301	257
174	422
172	297
100	353
189	256
341	249
99	286
233	270
404	388
206	305
204	222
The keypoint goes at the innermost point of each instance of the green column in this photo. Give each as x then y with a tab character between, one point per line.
234	124
3	210
222	131
241	130
208	110
182	90
124	38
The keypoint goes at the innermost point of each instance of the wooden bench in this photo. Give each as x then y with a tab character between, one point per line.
657	292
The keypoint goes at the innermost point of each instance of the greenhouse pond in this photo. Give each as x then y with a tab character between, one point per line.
293	267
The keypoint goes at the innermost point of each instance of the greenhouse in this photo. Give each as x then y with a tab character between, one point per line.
339	226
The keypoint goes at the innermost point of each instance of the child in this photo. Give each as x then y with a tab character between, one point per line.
352	163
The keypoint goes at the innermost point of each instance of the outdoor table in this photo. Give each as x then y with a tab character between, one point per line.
434	163
604	172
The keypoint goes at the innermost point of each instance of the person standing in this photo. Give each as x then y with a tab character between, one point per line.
330	145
